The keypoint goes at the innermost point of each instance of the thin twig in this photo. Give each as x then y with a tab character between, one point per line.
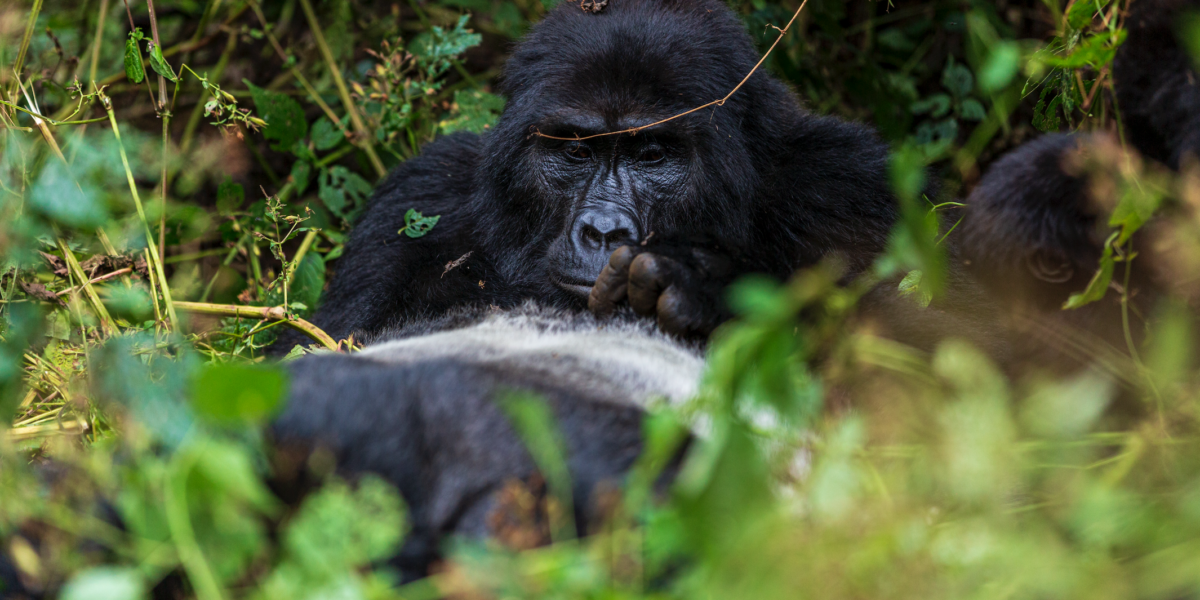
359	127
718	102
102	278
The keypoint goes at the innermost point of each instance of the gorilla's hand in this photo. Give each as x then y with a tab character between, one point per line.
683	286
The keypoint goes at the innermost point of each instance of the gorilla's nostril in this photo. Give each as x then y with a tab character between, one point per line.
592	235
619	236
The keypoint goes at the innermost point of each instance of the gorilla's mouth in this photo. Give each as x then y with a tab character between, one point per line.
573	286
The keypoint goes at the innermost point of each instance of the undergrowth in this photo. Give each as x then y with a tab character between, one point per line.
176	182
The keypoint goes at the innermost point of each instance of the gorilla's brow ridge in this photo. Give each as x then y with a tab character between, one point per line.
717	102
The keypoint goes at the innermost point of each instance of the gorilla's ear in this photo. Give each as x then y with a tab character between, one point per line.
1050	266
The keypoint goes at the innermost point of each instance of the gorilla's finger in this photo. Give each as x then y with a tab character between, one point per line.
673	313
648	277
612	282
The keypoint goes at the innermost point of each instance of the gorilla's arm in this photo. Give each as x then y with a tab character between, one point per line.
434	429
1158	88
385	276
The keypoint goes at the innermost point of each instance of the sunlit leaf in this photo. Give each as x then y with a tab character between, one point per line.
232	393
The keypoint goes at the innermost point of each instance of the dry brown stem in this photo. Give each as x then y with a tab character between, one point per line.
717	102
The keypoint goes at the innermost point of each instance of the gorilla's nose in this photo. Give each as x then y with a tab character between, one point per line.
602	231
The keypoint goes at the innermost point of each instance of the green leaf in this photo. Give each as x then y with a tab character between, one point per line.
417	225
911	286
339	528
1100	281
1001	67
342	190
549	4
57	195
937	105
134	70
308	281
326	135
435	49
474	110
972	110
105	583
1190	35
301	173
284	117
158	63
957	79
230	196
233	393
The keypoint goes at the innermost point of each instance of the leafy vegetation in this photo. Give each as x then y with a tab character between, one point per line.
169	200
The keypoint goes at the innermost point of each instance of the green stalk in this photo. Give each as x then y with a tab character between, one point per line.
343	91
274	313
137	201
99	38
106	321
30	23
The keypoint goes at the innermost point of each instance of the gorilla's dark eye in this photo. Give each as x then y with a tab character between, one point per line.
579	151
651	155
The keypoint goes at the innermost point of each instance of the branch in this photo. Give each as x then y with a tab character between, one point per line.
273	313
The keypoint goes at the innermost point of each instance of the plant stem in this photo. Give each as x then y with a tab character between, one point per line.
137	201
99	38
274	313
106	321
30	24
343	91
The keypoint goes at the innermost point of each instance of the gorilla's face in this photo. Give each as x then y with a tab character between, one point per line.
611	186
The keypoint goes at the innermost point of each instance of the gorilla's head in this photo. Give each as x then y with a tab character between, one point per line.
638	62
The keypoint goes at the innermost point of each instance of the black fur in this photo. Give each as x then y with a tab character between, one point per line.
778	187
1158	88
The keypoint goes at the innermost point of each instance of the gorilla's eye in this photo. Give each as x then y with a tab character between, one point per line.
651	155
579	151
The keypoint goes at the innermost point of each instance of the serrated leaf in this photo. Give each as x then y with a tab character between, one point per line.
158	63
284	116
475	111
134	70
417	225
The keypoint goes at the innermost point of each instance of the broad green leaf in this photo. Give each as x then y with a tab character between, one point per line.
308	281
342	191
134	70
158	63
326	135
284	117
972	110
232	393
417	225
1001	66
474	110
958	80
57	196
1189	34
230	196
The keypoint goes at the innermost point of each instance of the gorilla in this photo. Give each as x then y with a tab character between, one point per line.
1033	232
537	206
645	231
590	268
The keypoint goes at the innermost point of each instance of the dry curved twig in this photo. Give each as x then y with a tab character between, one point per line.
717	102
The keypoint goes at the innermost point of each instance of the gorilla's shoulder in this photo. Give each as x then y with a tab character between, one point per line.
444	170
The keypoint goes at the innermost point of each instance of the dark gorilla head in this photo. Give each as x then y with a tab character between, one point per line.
640	61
